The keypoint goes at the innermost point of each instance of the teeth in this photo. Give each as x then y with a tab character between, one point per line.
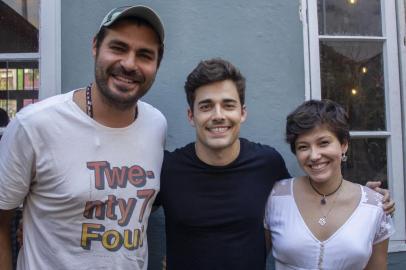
318	166
124	79
219	129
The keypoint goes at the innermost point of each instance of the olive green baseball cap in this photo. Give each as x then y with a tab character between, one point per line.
139	11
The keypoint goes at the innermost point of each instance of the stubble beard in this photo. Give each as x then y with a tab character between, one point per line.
109	98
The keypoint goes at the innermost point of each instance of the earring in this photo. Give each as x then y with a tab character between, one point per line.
344	157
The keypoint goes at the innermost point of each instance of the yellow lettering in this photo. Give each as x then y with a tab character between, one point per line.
89	233
112	240
131	239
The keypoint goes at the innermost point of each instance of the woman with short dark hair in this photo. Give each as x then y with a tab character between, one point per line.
321	220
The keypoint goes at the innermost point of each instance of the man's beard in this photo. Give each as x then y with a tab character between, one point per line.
108	96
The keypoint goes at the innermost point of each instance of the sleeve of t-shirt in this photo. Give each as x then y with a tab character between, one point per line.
163	178
16	165
384	228
283	171
157	202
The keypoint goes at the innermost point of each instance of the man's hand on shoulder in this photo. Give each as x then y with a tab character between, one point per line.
388	203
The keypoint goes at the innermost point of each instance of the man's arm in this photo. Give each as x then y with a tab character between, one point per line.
268	241
5	239
157	202
388	203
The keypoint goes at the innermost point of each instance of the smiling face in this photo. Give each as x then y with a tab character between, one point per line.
319	154
217	115
126	63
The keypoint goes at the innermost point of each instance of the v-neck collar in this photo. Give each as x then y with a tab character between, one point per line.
308	228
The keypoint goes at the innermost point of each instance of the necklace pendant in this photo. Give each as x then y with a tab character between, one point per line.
322	221
323	200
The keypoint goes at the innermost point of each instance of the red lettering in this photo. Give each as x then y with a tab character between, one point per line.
98	167
136	176
111	204
116	177
126	210
145	194
91	206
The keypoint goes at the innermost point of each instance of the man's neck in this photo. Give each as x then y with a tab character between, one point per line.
217	157
107	114
104	113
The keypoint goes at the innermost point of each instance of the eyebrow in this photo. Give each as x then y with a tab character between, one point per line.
227	100
147	51
325	137
204	101
318	139
117	42
125	45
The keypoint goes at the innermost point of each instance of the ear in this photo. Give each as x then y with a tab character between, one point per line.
190	117
243	113
94	48
344	147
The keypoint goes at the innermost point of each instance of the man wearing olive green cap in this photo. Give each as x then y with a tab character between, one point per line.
86	164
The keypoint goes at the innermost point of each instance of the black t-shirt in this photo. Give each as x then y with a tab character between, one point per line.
214	214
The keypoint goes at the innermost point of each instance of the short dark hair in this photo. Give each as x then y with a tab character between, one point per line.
210	71
314	113
137	21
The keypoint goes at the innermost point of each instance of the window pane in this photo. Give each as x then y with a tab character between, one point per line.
352	74
10	106
349	17
19	84
19	26
366	161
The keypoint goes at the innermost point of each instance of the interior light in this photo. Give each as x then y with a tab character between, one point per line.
352	2
364	70
354	91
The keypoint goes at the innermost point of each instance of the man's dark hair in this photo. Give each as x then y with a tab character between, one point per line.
137	21
316	113
211	71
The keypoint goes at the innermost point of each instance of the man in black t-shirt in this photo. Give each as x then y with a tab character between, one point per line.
214	190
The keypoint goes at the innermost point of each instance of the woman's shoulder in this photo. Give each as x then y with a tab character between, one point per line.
371	197
282	187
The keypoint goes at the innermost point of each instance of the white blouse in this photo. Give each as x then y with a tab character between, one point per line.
295	247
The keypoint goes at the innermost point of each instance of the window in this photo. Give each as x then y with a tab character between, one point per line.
29	53
351	56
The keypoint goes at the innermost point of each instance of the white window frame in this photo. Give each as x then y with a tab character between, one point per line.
49	55
390	38
50	48
401	21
